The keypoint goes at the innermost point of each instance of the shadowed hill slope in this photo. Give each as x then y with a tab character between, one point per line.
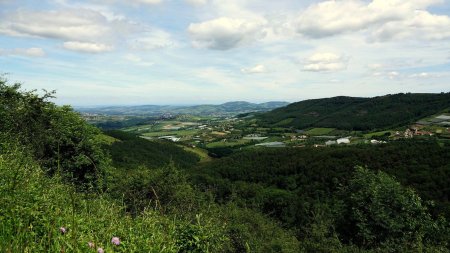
353	113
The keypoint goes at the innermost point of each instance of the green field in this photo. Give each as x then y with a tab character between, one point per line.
284	122
203	154
175	133
221	144
375	134
142	128
319	131
436	129
163	125
106	139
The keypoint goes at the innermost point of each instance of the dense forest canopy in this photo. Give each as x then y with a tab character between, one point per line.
131	151
352	113
291	184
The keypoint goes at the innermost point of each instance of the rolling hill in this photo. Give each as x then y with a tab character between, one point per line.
356	113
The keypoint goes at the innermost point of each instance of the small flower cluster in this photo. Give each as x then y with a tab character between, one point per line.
115	240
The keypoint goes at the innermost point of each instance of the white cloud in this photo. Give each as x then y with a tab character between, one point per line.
225	33
384	19
197	2
393	75
335	17
420	25
386	74
375	66
87	47
85	29
156	39
150	2
137	60
68	24
420	75
325	62
425	75
31	52
34	51
254	70
81	29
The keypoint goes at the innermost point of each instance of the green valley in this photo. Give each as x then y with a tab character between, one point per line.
230	183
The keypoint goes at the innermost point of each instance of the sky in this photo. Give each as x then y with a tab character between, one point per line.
130	52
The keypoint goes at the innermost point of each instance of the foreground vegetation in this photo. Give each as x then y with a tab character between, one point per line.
71	198
67	187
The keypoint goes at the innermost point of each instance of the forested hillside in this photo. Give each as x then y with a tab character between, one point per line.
351	113
313	187
131	151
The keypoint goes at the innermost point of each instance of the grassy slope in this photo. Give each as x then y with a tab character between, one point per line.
319	131
34	209
203	154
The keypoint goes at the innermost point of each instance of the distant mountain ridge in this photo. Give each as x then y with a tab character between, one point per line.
229	108
356	113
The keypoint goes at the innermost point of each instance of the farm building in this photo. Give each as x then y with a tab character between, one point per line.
170	138
275	144
343	140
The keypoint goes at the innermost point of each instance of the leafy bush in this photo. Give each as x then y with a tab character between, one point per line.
164	188
195	238
382	212
251	231
56	136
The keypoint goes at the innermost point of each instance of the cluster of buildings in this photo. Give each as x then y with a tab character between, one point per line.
298	137
409	133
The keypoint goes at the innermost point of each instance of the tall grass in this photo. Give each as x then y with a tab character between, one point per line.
34	210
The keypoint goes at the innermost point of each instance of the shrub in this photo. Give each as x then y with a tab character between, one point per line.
57	137
382	212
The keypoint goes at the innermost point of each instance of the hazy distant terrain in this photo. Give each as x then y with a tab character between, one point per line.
230	108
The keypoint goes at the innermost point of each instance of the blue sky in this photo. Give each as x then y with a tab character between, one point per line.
105	52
